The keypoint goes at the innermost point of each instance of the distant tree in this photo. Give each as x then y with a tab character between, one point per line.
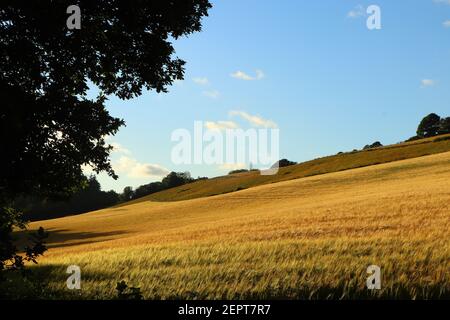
147	189
444	126
429	126
127	194
376	144
175	179
110	198
89	198
283	163
414	138
238	171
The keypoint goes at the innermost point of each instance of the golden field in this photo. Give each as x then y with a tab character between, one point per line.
339	162
307	238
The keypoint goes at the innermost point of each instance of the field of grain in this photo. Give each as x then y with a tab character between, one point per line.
339	162
307	238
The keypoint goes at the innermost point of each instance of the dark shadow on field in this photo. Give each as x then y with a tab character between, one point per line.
49	282
58	238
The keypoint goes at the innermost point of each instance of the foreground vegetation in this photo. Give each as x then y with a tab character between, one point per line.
306	238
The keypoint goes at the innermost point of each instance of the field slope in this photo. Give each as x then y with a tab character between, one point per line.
344	161
311	237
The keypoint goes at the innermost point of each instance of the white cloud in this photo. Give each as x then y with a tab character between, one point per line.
232	166
446	24
356	12
129	166
117	147
221	125
254	120
244	76
427	83
134	169
201	81
213	94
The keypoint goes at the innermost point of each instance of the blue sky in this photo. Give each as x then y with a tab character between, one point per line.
312	67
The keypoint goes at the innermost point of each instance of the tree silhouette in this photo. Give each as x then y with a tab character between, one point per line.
127	194
89	198
376	144
429	126
175	179
283	163
49	128
444	126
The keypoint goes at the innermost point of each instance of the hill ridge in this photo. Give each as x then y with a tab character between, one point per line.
327	164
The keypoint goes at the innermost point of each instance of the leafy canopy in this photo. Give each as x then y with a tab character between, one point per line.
429	126
49	128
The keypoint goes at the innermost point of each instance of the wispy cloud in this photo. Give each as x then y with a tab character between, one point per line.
254	120
117	147
221	125
203	81
129	166
427	83
446	24
259	74
356	12
213	94
442	1
134	169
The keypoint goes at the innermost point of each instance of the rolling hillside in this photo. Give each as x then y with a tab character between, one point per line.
311	237
345	161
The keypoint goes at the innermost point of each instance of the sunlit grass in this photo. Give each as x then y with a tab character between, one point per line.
262	269
306	238
344	161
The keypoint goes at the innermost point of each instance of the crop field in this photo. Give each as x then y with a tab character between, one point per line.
306	238
339	162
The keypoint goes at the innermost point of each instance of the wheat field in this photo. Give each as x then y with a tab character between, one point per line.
309	238
334	163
